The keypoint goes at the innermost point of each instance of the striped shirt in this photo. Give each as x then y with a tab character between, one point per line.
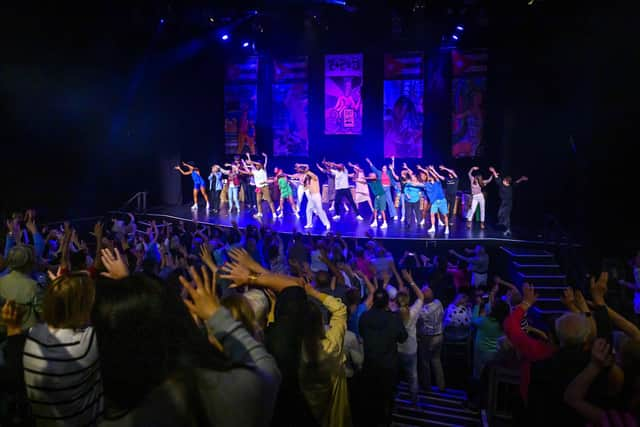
62	376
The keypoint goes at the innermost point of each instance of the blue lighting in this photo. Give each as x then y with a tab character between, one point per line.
225	37
460	28
162	20
454	37
245	44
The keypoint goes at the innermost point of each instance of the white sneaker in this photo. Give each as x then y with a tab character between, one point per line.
422	222
308	226
328	226
297	214
258	215
194	207
359	218
431	230
384	225
207	205
440	223
446	230
402	219
280	215
346	209
331	209
395	218
336	217
374	224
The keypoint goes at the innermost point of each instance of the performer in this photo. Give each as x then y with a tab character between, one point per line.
298	181
397	187
198	183
331	186
451	191
233	175
259	172
362	189
215	186
437	198
412	190
377	188
385	177
285	193
477	183
506	198
343	191
314	200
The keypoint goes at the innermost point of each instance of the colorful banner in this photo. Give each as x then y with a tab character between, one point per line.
290	102
469	87
240	106
342	94
403	105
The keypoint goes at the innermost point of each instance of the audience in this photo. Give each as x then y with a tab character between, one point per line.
173	324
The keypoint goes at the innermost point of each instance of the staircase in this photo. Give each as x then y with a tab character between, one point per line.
540	268
434	408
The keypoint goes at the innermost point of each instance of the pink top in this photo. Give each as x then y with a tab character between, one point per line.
386	181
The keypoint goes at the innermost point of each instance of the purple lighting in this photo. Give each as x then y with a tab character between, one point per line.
225	37
162	20
454	37
245	44
460	28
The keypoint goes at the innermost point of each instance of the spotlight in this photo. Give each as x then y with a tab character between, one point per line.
454	37
212	19
245	44
254	12
162	20
460	28
225	37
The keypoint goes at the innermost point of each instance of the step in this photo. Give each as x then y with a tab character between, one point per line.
550	304
543	279
549	291
433	400
406	406
448	392
526	252
436	420
528	268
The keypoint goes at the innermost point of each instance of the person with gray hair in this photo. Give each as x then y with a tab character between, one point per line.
572	329
478	264
18	285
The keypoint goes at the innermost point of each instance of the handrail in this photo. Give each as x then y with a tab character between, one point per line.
141	201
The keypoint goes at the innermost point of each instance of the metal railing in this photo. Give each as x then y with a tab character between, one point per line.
140	198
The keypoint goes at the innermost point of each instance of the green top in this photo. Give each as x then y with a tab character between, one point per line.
376	187
283	184
489	331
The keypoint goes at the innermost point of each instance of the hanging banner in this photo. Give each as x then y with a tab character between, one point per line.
342	94
240	106
469	87
290	102
403	104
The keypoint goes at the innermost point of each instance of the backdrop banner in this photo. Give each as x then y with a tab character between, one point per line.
240	106
469	87
290	102
342	94
403	104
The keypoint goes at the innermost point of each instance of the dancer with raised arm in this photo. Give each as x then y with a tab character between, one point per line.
362	189
397	187
331	186
477	183
259	172
199	185
505	187
233	178
451	191
437	198
374	180
285	193
215	186
384	175
412	190
297	179
314	199
343	191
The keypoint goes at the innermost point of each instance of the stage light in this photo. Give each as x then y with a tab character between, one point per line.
162	20
245	44
454	37
212	19
460	28
225	37
254	12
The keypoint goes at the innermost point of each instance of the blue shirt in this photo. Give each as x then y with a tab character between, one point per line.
354	318
218	178
197	179
412	192
434	191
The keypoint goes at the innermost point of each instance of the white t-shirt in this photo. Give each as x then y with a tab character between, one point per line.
260	177
410	346
342	179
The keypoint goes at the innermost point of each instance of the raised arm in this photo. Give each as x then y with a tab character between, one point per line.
471	171
436	174
188	166
373	168
179	169
447	170
522	179
321	169
266	159
494	172
461	257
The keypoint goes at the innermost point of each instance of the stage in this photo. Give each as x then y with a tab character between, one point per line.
350	227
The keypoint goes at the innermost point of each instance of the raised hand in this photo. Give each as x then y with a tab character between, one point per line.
599	288
98	230
601	353
238	274
529	295
113	262
202	291
241	256
568	299
580	301
207	259
406	275
12	315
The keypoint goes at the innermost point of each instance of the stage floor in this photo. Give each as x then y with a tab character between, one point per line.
347	226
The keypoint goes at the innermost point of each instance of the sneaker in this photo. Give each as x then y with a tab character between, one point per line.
446	230
336	217
346	209
374	224
308	226
332	208
384	225
395	218
422	222
207	205
402	219
431	230
440	223
280	215
258	215
327	226
468	225
194	207
359	218
297	214
507	233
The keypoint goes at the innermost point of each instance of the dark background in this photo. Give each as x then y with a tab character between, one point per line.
99	101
